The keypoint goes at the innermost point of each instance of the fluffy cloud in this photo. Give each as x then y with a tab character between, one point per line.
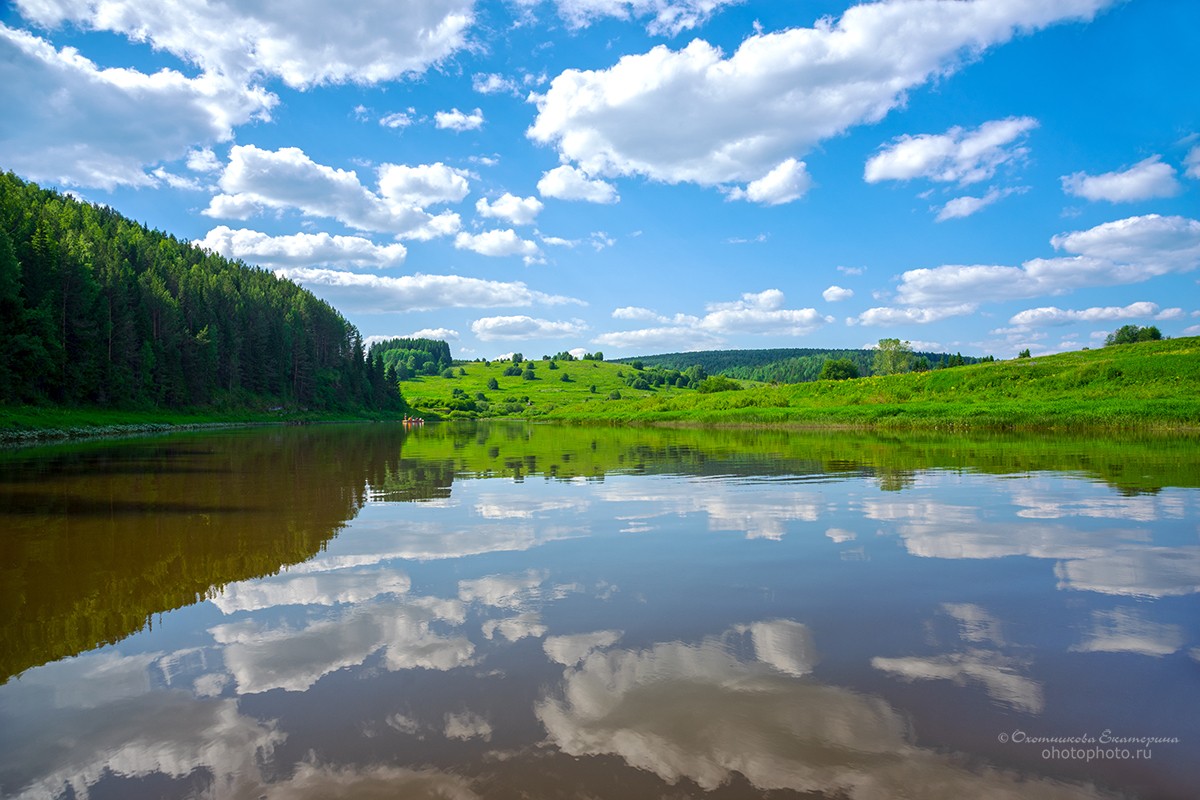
422	185
884	315
517	210
956	156
568	183
695	115
1124	251
490	329
300	41
637	312
301	249
497	243
203	159
967	205
379	294
1145	180
1051	315
456	120
434	333
672	337
760	313
787	182
395	120
493	83
1191	163
669	17
71	122
835	294
255	180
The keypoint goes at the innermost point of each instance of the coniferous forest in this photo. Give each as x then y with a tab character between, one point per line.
97	310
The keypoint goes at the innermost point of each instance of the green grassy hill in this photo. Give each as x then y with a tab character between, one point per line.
1146	385
434	396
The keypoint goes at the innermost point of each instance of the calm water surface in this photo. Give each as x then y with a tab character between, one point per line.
517	611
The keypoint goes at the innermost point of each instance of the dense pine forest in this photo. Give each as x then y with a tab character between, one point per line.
97	310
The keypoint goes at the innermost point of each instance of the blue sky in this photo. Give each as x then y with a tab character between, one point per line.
645	176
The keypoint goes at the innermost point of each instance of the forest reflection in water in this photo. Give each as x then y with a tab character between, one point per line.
511	610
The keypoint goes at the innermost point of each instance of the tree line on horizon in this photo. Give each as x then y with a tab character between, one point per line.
97	310
802	365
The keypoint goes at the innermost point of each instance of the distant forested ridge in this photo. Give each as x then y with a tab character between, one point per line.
785	365
98	310
412	357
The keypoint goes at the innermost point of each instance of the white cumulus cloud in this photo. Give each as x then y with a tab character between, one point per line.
967	205
456	120
1125	251
910	315
956	156
1191	163
835	294
697	115
497	243
1052	315
69	121
490	329
637	312
673	337
568	183
369	293
395	120
434	333
422	185
301	41
301	249
287	179
758	313
517	210
494	83
203	159
1145	180
787	182
667	17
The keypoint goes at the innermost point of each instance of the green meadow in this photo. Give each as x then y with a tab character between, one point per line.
1143	386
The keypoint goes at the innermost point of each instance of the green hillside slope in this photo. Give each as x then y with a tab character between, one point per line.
1145	385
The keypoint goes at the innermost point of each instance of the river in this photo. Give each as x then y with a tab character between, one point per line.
512	610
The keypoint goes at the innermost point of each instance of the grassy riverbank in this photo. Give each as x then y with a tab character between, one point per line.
1146	386
1151	385
32	423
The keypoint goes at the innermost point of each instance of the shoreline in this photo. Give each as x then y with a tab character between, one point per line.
49	425
118	425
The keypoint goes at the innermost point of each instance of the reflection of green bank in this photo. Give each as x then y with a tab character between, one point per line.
99	537
498	448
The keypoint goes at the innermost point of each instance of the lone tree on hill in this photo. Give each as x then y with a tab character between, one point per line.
893	356
1128	334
